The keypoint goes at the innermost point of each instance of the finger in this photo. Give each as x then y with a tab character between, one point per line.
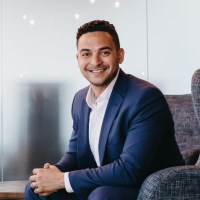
37	190
45	194
33	185
32	178
41	192
47	165
35	171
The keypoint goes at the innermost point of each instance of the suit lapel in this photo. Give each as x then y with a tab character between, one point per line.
85	155
114	104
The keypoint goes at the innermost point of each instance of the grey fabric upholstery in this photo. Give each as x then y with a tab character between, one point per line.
175	183
181	182
191	156
186	125
196	97
195	88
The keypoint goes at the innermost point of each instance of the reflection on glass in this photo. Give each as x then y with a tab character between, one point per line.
38	139
77	16
23	74
32	22
117	4
24	16
92	1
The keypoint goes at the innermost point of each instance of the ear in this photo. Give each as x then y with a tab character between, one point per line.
121	54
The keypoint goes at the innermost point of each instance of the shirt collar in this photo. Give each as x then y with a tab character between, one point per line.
105	95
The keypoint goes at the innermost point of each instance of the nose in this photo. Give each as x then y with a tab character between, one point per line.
96	60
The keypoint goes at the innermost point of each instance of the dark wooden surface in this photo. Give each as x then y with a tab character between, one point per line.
12	189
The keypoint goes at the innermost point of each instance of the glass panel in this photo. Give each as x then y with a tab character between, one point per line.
1	132
173	44
41	74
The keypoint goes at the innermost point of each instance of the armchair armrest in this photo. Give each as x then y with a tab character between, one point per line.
174	183
191	155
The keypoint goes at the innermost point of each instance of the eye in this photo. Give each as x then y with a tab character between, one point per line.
85	54
105	53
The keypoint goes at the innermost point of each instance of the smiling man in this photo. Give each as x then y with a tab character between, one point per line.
122	129
99	63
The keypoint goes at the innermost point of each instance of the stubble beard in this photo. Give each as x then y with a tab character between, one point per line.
106	81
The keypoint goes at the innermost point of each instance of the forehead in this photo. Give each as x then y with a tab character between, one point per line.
96	39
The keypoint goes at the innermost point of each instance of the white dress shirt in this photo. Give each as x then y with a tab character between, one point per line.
98	108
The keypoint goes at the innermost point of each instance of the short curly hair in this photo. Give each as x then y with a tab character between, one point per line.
99	25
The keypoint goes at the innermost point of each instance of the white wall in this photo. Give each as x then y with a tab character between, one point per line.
174	43
39	72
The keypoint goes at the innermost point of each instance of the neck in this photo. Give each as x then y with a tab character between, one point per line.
97	90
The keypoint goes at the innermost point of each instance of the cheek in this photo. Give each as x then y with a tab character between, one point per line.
83	72
81	64
115	63
83	67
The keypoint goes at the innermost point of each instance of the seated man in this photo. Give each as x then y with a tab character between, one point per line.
122	128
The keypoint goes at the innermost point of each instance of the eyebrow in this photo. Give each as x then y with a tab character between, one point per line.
103	48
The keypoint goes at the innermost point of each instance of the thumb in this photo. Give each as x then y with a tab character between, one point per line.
46	165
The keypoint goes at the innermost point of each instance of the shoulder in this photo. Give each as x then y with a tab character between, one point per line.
139	94
80	96
131	85
142	99
78	102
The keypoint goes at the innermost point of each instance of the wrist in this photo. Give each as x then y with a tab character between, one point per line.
61	182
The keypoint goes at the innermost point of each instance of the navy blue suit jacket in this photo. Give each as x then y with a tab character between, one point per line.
137	138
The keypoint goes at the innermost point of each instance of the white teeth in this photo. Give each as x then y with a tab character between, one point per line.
97	71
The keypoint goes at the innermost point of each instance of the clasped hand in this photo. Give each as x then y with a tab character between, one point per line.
46	180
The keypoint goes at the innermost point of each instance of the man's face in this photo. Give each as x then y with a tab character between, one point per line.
98	59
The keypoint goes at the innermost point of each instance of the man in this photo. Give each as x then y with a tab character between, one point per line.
122	128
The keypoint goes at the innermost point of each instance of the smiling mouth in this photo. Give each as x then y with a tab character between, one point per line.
96	70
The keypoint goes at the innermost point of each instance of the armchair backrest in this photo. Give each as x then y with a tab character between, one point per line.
185	111
195	89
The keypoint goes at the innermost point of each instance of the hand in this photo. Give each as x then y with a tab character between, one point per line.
47	180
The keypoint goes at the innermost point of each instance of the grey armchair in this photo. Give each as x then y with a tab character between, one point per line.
181	182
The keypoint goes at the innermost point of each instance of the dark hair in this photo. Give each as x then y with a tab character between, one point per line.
99	25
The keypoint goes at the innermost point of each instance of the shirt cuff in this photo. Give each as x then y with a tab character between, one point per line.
67	183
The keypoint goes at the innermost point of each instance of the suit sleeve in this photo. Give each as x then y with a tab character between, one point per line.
68	162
